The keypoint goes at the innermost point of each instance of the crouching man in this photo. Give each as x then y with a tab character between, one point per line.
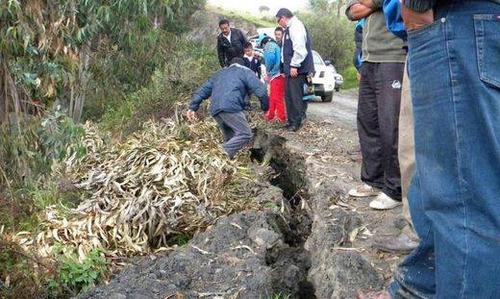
228	88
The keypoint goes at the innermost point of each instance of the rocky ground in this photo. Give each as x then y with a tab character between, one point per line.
317	245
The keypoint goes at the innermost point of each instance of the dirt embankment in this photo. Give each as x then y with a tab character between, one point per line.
205	26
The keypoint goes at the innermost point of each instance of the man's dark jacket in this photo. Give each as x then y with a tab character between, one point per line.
228	50
228	89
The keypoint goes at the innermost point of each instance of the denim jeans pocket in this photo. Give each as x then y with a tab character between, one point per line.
424	29
487	31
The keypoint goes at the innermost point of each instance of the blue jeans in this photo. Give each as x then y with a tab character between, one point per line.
454	68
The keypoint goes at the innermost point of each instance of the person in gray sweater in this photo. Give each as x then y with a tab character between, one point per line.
378	107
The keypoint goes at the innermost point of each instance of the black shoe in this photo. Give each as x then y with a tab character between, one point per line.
294	128
287	125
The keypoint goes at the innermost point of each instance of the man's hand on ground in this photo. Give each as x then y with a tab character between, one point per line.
293	72
191	115
414	20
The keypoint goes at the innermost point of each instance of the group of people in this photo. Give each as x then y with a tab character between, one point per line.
428	123
288	61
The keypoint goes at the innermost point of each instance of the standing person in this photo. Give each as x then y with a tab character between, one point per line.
252	62
453	63
379	106
227	88
358	40
297	59
407	239
272	61
230	43
278	35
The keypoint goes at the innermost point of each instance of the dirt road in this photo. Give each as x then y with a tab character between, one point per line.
342	109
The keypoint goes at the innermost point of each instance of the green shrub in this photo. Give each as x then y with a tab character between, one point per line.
332	37
74	276
350	78
26	152
188	65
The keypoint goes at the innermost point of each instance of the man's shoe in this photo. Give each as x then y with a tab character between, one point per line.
384	202
403	243
287	125
364	190
294	128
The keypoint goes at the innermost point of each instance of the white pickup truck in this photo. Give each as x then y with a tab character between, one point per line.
326	79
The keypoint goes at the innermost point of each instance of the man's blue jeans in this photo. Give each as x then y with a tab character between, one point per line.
454	68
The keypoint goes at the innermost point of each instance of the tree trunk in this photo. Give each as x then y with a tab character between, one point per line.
80	84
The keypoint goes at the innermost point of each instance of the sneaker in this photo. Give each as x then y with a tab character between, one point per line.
384	202
364	191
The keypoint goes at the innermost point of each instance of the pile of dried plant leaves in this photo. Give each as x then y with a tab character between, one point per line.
167	180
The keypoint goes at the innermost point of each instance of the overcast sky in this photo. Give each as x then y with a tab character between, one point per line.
253	5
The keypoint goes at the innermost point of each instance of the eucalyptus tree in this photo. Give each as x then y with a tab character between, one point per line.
46	46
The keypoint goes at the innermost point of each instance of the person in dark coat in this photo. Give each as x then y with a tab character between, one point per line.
251	61
230	43
228	88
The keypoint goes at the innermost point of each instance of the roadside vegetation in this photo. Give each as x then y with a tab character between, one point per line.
333	37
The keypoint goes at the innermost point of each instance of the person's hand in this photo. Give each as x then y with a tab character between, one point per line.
414	20
293	72
191	115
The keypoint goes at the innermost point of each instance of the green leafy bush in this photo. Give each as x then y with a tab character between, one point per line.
74	276
332	37
188	65
350	78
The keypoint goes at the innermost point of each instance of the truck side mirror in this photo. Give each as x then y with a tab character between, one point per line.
328	62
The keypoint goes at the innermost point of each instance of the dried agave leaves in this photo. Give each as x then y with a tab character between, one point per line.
166	180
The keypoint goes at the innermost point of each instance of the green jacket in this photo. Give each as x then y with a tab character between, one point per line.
379	45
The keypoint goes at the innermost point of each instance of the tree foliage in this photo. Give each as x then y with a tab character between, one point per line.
332	37
46	46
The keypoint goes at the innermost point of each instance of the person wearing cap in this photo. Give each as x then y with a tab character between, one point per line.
228	88
272	62
297	59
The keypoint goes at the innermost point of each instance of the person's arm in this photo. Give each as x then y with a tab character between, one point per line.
420	5
203	93
220	53
258	88
358	11
373	4
417	14
298	35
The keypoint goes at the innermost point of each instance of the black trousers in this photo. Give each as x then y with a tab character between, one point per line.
378	118
294	94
